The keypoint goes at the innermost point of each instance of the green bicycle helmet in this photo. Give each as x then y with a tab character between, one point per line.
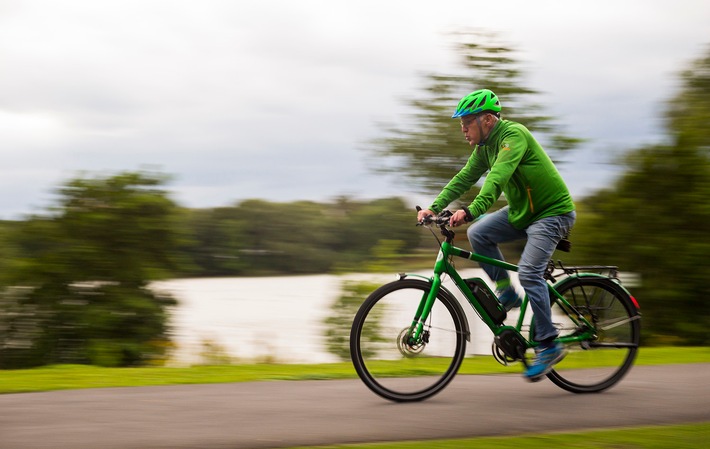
478	101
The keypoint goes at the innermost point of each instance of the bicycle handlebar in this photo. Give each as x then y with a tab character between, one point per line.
442	219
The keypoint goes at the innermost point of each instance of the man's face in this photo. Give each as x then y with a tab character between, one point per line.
471	129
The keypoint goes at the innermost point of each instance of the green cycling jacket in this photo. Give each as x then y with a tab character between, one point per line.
517	166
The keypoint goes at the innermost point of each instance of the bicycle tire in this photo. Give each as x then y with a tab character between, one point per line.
598	364
383	359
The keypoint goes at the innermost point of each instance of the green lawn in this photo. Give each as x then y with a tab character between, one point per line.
64	377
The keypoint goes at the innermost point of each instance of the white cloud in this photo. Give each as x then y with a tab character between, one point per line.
239	99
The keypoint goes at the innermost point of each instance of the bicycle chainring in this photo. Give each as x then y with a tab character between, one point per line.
500	356
509	346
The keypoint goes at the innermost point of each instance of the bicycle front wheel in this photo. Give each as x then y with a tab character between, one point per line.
599	363
386	357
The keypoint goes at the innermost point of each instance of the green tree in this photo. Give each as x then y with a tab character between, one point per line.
80	293
655	220
8	246
427	149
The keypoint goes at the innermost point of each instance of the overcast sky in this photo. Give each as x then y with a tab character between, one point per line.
277	99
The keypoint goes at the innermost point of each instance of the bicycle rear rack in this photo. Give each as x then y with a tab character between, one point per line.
555	270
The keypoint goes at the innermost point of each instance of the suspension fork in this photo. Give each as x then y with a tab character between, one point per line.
425	306
427	302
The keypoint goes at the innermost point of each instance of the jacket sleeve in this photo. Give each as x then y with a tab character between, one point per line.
461	182
512	148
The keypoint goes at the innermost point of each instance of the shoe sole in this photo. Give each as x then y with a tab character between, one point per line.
513	306
550	367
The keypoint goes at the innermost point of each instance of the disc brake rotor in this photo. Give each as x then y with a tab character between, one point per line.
409	348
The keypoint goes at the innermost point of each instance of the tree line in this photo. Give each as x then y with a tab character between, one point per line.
76	280
258	237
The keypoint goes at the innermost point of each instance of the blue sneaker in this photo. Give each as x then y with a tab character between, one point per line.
544	362
509	299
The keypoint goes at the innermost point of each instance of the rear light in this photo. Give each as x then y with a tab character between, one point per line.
636	303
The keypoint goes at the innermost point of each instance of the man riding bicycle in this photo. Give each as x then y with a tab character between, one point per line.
540	209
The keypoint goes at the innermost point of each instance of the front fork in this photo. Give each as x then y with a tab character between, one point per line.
416	330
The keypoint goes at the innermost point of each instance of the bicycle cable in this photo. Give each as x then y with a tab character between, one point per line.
451	257
435	236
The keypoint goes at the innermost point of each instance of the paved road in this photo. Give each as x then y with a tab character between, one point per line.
282	414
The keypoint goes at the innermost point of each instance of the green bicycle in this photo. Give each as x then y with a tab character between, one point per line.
408	338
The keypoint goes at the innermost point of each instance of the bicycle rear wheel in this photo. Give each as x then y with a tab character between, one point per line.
385	357
594	365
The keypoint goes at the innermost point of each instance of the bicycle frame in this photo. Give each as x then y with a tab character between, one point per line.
443	266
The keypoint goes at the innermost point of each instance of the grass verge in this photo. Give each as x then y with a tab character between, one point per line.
62	377
685	436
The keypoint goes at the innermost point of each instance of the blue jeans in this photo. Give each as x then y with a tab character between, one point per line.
542	238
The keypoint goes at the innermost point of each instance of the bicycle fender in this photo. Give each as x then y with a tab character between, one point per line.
601	278
402	276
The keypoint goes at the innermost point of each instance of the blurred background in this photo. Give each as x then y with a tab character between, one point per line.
288	142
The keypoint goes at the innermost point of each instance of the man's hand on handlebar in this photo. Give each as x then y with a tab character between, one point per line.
458	218
455	219
423	213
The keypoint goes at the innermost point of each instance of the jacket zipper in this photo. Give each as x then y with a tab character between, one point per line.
532	208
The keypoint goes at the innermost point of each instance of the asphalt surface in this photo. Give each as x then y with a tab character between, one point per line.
284	414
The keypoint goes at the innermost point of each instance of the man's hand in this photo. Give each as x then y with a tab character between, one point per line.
460	217
422	214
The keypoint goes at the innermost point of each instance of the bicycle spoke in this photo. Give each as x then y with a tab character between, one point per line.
610	324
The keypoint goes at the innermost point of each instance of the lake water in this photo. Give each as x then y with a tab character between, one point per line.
279	318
